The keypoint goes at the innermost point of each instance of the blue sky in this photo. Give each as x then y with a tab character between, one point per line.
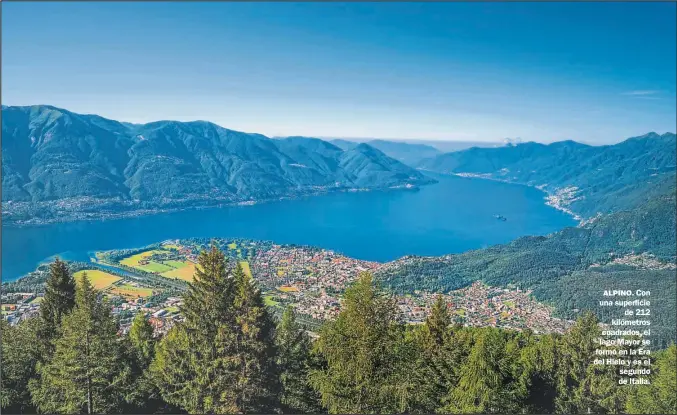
592	72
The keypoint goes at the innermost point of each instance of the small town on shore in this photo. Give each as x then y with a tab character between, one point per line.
150	280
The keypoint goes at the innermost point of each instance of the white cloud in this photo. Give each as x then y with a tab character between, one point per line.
642	93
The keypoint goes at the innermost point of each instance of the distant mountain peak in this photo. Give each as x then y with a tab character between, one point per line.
651	134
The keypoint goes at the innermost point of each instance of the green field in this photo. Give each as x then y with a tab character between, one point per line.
37	300
175	264
98	279
154	267
133	261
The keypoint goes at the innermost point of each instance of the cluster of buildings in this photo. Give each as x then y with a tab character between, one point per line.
307	268
19	306
162	317
563	198
480	305
643	261
314	279
318	307
310	278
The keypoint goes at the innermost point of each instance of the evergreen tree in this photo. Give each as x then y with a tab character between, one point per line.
193	366
143	396
221	359
437	323
58	301
20	354
174	373
485	384
438	358
208	302
536	370
142	341
86	372
660	397
576	355
257	382
294	360
602	384
363	352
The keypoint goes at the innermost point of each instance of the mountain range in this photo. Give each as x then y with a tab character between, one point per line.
407	153
585	179
53	155
59	165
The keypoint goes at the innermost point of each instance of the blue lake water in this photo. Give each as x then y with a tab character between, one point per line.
455	215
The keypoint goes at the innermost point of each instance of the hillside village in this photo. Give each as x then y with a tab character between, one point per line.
310	279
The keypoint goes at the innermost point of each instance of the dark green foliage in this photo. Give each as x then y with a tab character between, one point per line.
208	303
486	382
437	322
257	380
59	299
173	370
221	359
439	352
576	355
661	396
142	341
143	395
227	358
20	354
186	367
362	348
87	372
536	369
294	364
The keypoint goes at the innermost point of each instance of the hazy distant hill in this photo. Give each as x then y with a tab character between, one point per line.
609	178
449	146
50	154
412	152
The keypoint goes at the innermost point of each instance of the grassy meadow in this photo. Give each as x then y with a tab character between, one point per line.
98	279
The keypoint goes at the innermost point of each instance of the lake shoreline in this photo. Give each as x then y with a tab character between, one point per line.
556	200
78	216
453	216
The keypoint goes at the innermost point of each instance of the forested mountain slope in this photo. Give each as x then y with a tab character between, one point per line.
632	249
587	179
50	154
